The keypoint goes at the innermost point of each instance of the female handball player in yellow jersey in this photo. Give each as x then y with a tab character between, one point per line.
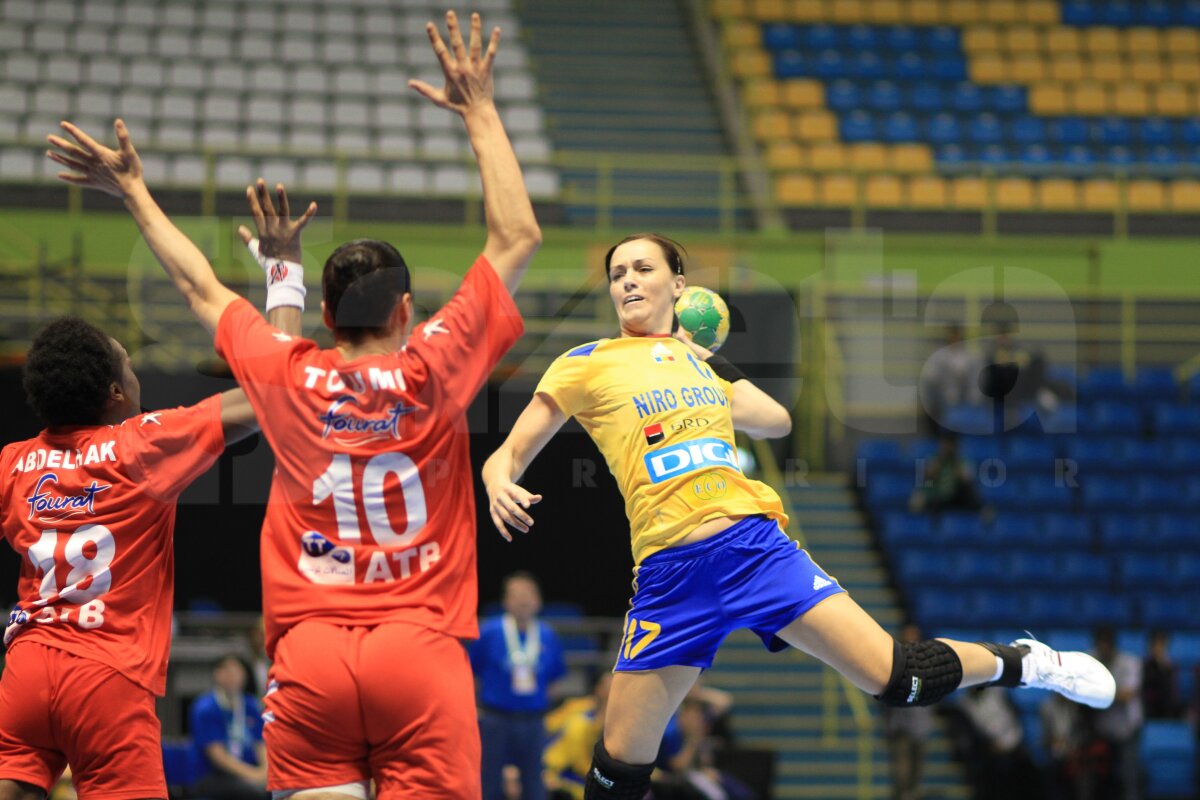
708	546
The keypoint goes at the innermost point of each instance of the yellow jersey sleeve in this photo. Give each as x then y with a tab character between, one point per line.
566	380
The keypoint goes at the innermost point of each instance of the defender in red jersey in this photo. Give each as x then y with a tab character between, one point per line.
369	541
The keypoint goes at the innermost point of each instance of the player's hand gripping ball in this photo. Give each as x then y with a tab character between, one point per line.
704	316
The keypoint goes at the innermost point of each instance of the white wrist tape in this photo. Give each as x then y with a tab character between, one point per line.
285	279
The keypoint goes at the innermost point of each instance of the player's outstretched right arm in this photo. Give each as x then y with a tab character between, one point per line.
508	503
513	232
119	173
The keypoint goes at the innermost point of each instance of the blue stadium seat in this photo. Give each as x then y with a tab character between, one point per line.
1044	494
888	492
980	448
951	155
1066	530
819	37
994	155
1155	131
1168	754
1050	607
903	529
930	567
979	568
830	65
985	129
1172	420
901	37
900	127
1189	131
884	96
1144	571
862	38
1009	99
922	449
858	126
1102	493
1029	453
1116	13
1035	156
1189	14
781	37
1112	131
1081	568
1079	13
1119	156
942	38
880	451
943	128
1093	455
1161	156
909	66
1186	570
1107	418
970	420
967	98
791	64
866	66
1184	649
1127	532
948	67
1184	454
1105	608
1150	456
1171	610
1027	130
1068	131
938	608
1177	531
1155	384
1078	156
1155	13
843	95
1004	495
1161	493
999	607
960	528
1029	568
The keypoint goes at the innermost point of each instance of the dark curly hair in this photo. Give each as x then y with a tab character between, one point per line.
361	283
68	372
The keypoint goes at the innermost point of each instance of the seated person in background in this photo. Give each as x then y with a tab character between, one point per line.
1160	681
227	733
949	482
574	726
691	772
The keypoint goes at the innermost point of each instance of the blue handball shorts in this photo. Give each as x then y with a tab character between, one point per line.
687	599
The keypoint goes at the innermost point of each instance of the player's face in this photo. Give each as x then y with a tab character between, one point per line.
643	288
131	390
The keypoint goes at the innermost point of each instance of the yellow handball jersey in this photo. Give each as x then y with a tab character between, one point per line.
662	419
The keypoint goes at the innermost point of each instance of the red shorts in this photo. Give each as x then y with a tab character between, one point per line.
393	702
58	708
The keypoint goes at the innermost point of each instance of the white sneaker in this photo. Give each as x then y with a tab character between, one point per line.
1076	676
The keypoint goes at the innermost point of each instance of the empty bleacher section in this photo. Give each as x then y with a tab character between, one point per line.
1016	106
312	94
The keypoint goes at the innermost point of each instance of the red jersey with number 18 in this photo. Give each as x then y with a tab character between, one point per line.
371	516
91	512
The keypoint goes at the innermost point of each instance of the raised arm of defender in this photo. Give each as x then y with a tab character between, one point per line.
513	233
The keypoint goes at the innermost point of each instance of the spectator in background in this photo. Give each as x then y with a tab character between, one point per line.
1119	726
949	482
950	378
227	730
999	759
906	730
1160	681
259	661
691	770
1017	375
1066	738
569	756
515	660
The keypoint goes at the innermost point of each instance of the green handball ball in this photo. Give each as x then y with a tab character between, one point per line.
704	315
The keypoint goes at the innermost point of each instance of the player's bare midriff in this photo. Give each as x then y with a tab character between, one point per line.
706	530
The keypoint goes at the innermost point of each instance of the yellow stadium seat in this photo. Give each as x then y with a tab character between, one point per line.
1063	40
816	126
828	157
1142	41
801	94
964	12
1100	194
1022	39
837	190
762	93
848	12
1027	68
1183	41
1172	100
751	64
924	12
1185	195
927	191
1048	99
868	156
738	34
885	12
1131	100
1014	194
1089	99
782	156
772	125
910	158
1101	39
1184	70
885	191
1107	68
968	193
1055	194
796	190
1067	67
1041	12
808	11
727	9
1150	69
769	10
1003	12
988	68
1147	195
981	39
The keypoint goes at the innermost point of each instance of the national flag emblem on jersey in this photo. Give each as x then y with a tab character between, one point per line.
661	353
654	433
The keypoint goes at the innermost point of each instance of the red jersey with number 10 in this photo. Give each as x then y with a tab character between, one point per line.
91	512
371	516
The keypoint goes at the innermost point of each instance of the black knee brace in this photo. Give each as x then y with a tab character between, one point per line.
1011	657
922	674
609	779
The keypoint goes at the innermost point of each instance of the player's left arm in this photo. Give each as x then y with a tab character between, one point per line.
509	503
277	249
754	411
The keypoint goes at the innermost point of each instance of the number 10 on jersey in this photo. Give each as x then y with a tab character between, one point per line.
337	482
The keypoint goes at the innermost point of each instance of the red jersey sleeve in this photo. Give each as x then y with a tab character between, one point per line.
467	337
174	446
257	352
